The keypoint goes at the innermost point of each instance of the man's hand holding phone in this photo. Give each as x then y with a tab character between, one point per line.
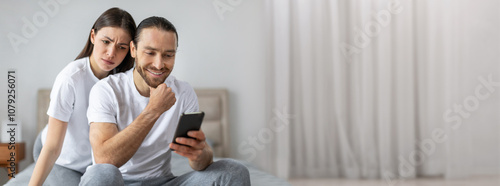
191	148
189	140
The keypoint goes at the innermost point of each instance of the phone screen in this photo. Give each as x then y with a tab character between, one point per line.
188	122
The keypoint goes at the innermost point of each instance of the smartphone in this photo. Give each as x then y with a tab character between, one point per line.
187	122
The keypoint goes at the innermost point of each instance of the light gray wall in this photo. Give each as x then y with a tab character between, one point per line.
213	52
481	35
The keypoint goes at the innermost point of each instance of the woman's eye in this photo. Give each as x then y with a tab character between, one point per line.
105	41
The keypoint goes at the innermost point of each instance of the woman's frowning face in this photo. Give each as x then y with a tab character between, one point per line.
111	45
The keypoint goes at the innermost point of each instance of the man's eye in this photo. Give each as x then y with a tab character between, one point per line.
123	48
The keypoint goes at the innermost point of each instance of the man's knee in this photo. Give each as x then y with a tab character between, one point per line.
234	168
102	174
102	169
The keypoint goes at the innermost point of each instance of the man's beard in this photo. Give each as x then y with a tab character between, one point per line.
153	82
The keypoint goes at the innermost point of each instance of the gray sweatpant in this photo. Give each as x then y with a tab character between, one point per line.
222	172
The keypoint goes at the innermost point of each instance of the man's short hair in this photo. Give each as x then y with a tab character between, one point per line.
156	22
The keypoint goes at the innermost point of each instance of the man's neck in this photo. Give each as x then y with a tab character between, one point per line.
140	84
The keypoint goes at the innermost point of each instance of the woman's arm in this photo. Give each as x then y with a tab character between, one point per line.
50	151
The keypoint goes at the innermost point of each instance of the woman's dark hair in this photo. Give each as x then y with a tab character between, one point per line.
113	17
156	22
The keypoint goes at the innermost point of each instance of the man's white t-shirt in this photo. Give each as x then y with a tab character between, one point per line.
69	99
115	99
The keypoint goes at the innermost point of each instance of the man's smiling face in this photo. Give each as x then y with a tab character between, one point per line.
155	55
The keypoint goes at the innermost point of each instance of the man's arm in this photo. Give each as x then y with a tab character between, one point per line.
117	147
199	153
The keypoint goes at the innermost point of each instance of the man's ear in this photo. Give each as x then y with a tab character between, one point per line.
133	49
92	36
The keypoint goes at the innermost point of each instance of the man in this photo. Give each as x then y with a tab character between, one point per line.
133	116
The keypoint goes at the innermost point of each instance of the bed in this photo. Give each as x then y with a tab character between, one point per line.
214	102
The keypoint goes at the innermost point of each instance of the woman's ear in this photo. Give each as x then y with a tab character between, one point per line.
133	49
92	36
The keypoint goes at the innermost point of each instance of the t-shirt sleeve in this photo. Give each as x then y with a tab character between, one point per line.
102	103
191	101
62	99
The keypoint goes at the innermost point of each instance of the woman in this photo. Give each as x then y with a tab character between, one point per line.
66	149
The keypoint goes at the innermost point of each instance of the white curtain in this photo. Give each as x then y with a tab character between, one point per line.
375	87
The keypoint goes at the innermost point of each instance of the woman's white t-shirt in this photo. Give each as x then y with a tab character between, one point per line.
69	100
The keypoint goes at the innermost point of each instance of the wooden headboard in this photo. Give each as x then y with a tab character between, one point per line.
214	102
